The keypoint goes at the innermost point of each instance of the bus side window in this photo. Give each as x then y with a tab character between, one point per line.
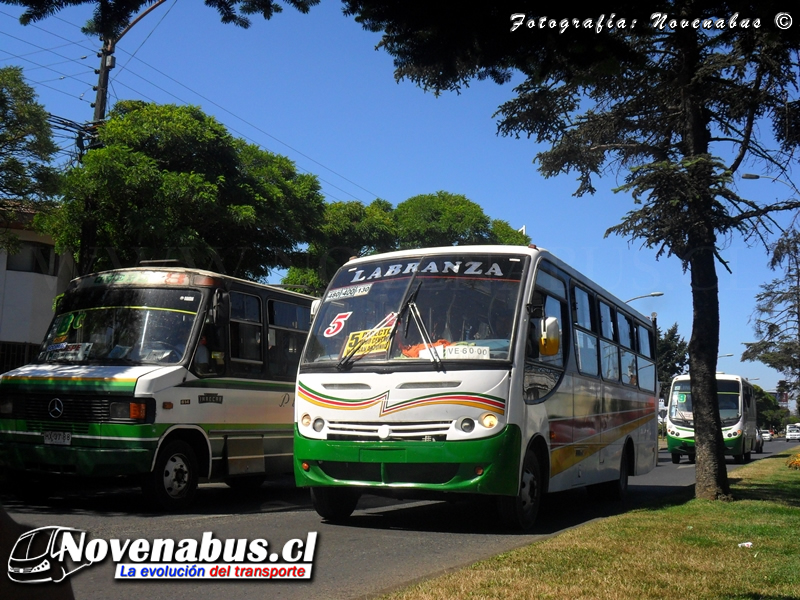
245	330
288	328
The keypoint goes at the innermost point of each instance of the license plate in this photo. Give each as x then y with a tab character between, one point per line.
59	438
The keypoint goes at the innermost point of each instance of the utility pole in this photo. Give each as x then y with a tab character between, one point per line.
107	62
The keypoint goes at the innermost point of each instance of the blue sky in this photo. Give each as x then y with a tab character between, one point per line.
313	87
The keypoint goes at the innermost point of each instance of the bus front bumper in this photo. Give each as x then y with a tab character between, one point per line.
110	459
733	446
485	466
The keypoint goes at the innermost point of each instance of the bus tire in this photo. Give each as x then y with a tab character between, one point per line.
172	484
676	458
617	489
520	511
334	503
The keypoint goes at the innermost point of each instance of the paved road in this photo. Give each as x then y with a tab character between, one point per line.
385	544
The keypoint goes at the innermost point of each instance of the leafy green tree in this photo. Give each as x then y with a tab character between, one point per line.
171	182
673	356
777	314
440	219
659	102
348	229
352	229
26	148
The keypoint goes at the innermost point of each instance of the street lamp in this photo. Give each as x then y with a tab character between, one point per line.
650	295
754	176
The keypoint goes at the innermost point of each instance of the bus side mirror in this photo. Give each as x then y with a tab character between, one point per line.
550	339
219	307
315	307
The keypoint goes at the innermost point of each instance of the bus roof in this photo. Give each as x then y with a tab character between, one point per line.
532	250
146	275
723	376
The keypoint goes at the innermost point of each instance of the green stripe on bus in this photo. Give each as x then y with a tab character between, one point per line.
69	384
236	384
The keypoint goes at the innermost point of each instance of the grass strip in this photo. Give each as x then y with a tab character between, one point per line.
682	548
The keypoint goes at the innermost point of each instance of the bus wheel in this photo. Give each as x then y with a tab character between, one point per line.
618	489
173	482
520	511
334	503
747	457
676	458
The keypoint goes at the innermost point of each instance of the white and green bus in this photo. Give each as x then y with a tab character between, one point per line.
493	370
737	413
171	375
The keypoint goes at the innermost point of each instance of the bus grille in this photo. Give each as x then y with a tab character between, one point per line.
77	409
430	473
428	431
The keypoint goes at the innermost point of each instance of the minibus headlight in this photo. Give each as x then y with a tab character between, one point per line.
127	410
489	420
318	424
305	420
467	425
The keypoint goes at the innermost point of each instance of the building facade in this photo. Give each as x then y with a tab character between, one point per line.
30	279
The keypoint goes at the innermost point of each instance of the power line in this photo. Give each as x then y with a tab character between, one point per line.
125	67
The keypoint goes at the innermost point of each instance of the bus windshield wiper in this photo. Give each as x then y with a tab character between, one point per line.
350	357
413	310
410	307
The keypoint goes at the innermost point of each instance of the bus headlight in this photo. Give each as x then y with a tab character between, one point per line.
734	433
127	410
318	424
305	420
467	425
489	420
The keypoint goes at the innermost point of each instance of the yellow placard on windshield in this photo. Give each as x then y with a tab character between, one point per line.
377	342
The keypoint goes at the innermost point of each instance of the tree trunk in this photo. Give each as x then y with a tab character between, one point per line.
711	476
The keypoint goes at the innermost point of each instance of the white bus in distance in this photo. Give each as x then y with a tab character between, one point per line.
737	413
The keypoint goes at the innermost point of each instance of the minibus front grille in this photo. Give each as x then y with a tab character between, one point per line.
427	431
387	473
75	409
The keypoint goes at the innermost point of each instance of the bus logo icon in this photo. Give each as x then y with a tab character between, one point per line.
39	557
209	398
56	408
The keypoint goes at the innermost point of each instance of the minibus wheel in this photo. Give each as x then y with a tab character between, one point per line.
520	511
334	503
173	482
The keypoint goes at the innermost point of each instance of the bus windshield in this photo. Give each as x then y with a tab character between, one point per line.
444	307
680	407
103	325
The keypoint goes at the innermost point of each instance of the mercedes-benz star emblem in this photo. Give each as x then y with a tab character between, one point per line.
56	408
